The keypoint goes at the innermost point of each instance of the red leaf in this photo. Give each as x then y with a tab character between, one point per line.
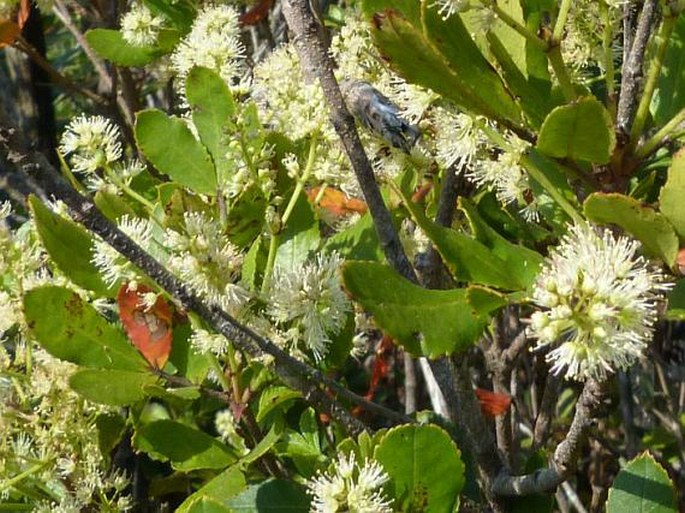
24	13
492	404
257	13
336	202
148	328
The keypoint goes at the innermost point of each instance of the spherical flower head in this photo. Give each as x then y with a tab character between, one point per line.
140	27
92	142
311	299
598	301
350	487
214	43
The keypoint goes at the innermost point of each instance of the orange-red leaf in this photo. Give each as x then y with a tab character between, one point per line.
257	13
681	261
8	33
336	202
492	404
148	328
24	13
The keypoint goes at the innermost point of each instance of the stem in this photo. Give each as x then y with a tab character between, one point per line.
23	475
660	137
515	25
299	186
559	67
607	38
564	9
125	188
642	113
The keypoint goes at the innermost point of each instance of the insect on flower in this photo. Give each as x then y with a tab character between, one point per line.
377	113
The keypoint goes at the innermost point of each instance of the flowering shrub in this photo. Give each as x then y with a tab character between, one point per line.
222	301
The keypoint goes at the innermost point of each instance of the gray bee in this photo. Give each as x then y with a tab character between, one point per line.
377	113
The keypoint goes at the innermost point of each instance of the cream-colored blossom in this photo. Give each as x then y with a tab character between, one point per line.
140	27
91	143
350	487
598	303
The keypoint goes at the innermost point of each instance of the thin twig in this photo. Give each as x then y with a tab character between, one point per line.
566	453
547	410
300	376
631	72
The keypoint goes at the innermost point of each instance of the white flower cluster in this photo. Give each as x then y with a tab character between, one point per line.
350	487
289	103
140	27
213	42
600	303
92	142
203	257
311	301
48	435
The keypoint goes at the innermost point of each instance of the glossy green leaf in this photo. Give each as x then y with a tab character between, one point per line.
215	494
69	246
112	387
185	447
171	147
581	131
213	110
496	262
441	55
112	206
110	45
670	95
643	222
271	496
418	460
70	329
642	486
425	322
520	261
672	198
245	220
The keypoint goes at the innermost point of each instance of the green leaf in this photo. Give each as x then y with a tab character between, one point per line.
300	237
185	447
499	264
245	220
110	45
216	493
441	55
521	262
111	427
670	96
69	246
112	387
213	111
265	444
72	330
642	485
169	144
643	222
358	242
676	302
273	397
112	206
418	460
671	201
581	131
425	322
271	496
